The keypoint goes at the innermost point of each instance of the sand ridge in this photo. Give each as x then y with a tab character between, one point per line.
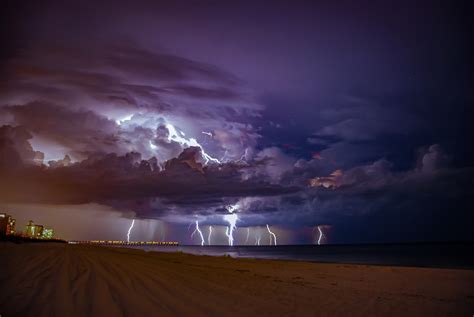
75	280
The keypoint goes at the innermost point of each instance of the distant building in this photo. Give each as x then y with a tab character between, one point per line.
3	223
7	224
32	230
38	231
48	233
11	225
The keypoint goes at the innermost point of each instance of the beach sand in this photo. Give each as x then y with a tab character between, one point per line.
72	280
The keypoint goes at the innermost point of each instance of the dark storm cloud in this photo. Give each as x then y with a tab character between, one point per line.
373	202
126	180
83	131
15	149
128	75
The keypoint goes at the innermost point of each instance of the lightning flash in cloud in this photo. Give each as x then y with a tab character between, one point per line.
176	137
272	235
198	231
122	120
130	230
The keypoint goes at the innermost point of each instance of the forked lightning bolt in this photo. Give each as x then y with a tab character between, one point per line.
272	235
198	231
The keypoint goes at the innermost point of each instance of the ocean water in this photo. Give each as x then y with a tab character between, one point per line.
441	255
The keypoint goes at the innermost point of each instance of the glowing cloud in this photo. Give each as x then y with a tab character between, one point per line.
331	181
176	137
122	120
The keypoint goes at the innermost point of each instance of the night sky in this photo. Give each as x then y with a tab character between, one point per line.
352	116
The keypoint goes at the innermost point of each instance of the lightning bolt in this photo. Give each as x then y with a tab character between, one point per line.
272	235
242	158
209	236
248	234
176	137
231	219
198	231
207	133
257	240
129	230
320	235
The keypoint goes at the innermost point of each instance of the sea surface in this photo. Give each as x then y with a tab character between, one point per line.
440	255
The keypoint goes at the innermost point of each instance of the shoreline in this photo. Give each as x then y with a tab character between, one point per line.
454	255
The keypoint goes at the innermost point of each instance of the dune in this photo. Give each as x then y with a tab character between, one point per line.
75	280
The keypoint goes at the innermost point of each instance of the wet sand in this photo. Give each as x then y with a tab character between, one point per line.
74	280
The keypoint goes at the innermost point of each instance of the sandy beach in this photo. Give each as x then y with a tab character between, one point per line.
74	280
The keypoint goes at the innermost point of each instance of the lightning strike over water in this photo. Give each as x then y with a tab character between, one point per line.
248	234
231	219
272	235
198	231
320	235
257	240
129	230
209	236
176	137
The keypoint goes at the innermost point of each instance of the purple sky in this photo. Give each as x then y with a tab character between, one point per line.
355	116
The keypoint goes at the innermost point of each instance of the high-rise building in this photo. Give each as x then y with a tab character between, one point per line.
3	223
7	224
30	229
39	231
11	225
